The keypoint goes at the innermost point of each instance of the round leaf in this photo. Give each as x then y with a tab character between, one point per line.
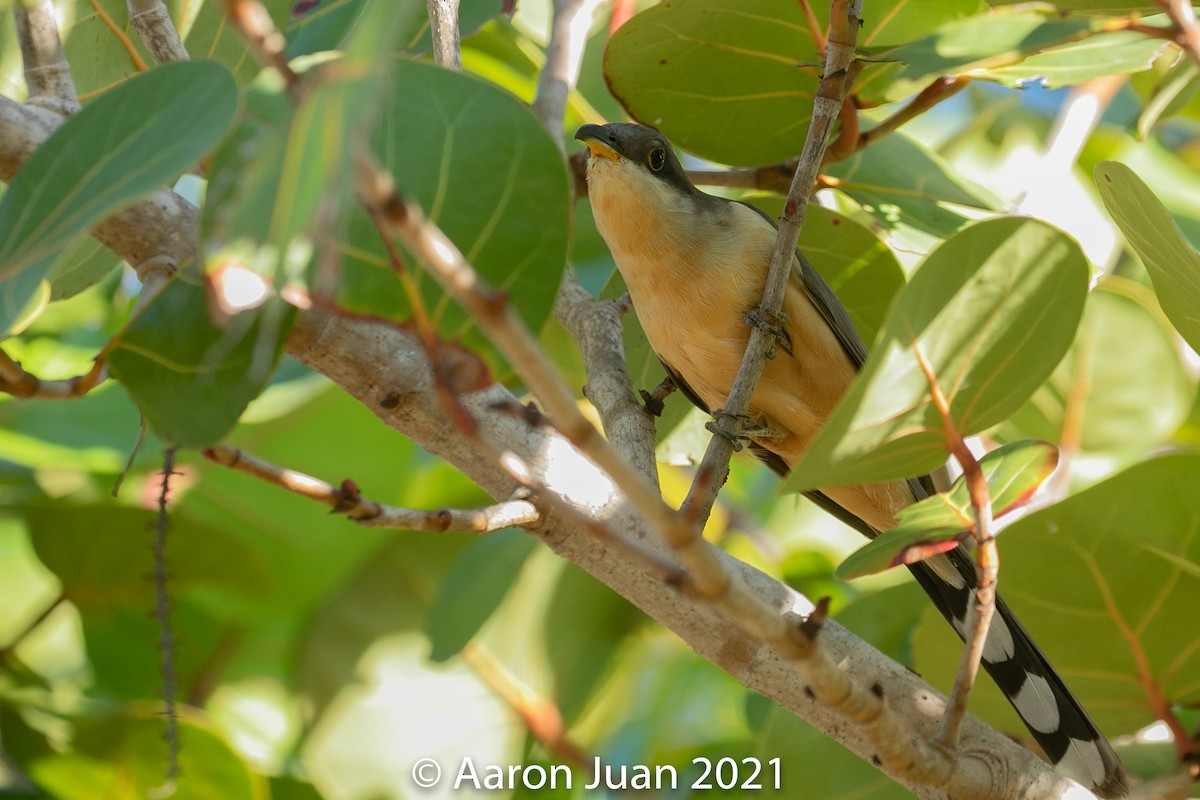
990	314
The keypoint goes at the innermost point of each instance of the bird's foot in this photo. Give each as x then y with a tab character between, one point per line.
771	322
713	426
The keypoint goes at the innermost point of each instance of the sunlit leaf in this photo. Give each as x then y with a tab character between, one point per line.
284	161
485	171
191	378
124	758
989	314
1123	384
899	180
937	524
733	80
1000	45
102	158
1173	264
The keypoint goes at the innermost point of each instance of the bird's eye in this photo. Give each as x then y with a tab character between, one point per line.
657	159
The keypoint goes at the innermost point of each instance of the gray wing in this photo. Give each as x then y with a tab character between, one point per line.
827	303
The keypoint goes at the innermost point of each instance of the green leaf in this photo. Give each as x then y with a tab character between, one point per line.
1122	386
586	624
1107	582
102	556
937	524
1116	53
991	312
733	80
328	24
899	180
284	161
475	585
79	267
485	171
124	758
997	39
1172	93
107	155
191	378
1173	265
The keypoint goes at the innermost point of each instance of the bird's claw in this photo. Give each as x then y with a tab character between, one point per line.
713	426
771	322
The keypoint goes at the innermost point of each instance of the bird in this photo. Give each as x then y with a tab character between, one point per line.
695	266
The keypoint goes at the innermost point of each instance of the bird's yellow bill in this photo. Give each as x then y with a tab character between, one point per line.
599	148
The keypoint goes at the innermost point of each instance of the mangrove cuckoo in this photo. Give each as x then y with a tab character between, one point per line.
695	266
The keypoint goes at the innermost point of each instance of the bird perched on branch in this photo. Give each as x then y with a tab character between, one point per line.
695	266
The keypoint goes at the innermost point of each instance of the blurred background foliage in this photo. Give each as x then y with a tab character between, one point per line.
319	659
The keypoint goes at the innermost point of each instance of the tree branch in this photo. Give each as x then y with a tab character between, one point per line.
47	73
443	24
152	22
568	38
348	500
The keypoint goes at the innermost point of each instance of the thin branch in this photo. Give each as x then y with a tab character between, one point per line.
987	564
443	24
937	91
844	22
166	637
254	21
564	54
152	22
540	716
348	500
16	381
47	73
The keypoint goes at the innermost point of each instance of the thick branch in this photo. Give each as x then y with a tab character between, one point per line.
152	22
385	368
47	73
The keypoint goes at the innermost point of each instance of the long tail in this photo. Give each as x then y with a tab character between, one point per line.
1057	721
1054	717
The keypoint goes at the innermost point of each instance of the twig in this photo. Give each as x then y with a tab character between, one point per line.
539	715
152	22
166	637
47	73
987	564
16	381
568	38
254	21
1184	30
940	89
443	24
774	178
844	23
348	500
